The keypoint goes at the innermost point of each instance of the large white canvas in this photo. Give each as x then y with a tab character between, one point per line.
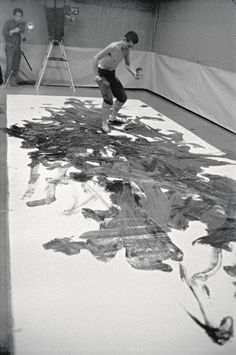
76	305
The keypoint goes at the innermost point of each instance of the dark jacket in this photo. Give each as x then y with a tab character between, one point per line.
15	38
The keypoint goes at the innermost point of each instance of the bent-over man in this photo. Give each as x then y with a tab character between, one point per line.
104	64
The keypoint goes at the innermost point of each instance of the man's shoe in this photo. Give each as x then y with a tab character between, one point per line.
105	128
117	121
13	83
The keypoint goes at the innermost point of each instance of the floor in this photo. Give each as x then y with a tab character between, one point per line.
209	132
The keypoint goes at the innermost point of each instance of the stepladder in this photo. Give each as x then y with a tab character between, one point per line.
62	58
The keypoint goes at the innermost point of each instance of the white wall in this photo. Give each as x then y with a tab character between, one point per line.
202	31
194	59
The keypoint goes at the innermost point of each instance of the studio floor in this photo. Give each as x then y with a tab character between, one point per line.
208	131
115	244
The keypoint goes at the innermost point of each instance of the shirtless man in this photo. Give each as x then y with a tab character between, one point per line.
104	64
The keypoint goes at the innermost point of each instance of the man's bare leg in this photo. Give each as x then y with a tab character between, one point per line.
105	89
116	108
106	108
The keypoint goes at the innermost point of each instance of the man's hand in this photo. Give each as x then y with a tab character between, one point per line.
98	78
139	73
101	81
15	30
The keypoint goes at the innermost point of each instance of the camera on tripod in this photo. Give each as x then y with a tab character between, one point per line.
55	19
57	11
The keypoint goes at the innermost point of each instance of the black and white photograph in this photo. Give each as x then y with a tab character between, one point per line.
117	177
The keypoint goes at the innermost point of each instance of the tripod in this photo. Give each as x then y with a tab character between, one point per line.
11	72
48	57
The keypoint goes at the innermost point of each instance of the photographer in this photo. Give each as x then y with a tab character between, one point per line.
12	31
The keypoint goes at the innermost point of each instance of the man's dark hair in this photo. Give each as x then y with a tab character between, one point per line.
131	36
18	10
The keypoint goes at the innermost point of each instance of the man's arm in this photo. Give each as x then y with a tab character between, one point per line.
7	31
128	64
103	53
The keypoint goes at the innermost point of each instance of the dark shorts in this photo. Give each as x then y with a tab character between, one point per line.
111	86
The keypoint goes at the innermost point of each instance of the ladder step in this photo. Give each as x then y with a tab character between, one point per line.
56	59
59	59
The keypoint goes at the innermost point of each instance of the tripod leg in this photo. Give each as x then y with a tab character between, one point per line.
23	54
9	77
43	67
63	52
26	60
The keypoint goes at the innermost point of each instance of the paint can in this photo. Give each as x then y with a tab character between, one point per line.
139	73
